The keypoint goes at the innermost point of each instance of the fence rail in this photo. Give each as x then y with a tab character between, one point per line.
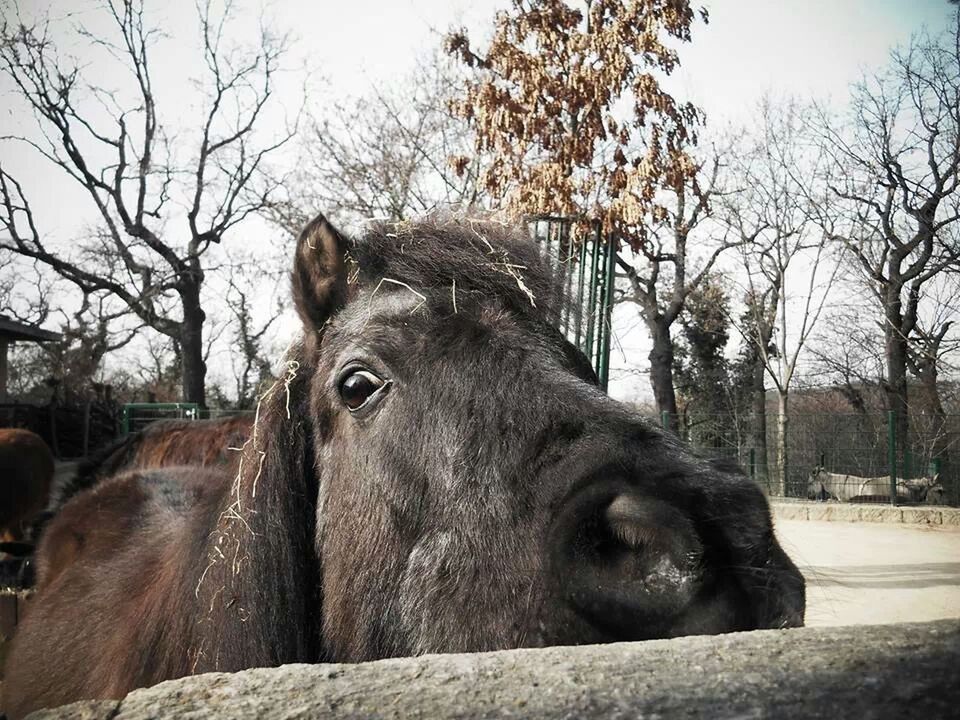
73	430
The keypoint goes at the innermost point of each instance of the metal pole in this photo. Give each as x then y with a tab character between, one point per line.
607	312
566	259
592	302
581	272
892	453
601	304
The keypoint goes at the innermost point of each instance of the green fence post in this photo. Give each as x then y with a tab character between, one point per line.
581	276
665	419
892	453
934	467
592	316
608	283
753	463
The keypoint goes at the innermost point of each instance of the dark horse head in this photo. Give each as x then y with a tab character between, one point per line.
435	471
476	488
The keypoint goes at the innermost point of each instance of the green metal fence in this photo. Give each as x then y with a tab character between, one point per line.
584	269
136	416
858	446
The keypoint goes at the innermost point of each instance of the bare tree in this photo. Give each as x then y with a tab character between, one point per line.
74	363
88	334
249	352
145	194
150	372
931	346
386	154
771	214
666	269
847	355
896	162
24	290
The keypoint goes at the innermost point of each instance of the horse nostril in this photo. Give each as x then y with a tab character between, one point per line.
631	563
627	523
654	533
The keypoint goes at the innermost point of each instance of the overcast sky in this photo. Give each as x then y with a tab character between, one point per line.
750	47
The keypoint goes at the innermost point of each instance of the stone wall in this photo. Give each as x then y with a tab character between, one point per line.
864	512
895	671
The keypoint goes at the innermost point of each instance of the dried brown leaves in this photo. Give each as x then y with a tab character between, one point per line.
546	103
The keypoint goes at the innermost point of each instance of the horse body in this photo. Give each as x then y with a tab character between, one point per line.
140	525
26	470
162	443
437	472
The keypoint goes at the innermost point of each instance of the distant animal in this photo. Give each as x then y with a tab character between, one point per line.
823	485
436	471
26	471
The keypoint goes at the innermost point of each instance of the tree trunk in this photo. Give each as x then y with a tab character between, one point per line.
895	350
192	366
936	440
783	465
756	437
661	372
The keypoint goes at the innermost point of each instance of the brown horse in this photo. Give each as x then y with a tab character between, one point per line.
26	470
437	472
163	443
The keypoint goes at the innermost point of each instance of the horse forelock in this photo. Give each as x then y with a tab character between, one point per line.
461	259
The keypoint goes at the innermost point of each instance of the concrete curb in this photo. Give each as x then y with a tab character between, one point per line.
854	512
879	671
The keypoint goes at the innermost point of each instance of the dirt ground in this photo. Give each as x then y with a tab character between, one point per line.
871	573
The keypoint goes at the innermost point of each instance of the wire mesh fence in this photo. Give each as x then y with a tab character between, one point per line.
826	456
842	457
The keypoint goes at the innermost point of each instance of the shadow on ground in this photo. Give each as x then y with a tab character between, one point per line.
914	575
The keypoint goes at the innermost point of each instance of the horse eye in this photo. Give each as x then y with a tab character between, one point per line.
357	387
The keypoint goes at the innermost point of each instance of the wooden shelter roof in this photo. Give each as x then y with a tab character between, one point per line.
13	330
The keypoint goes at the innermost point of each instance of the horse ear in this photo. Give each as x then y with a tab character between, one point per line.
319	273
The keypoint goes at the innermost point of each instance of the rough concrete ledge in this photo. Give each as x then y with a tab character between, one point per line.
857	512
881	671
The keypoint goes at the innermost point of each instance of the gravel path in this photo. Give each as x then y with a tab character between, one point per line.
871	573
